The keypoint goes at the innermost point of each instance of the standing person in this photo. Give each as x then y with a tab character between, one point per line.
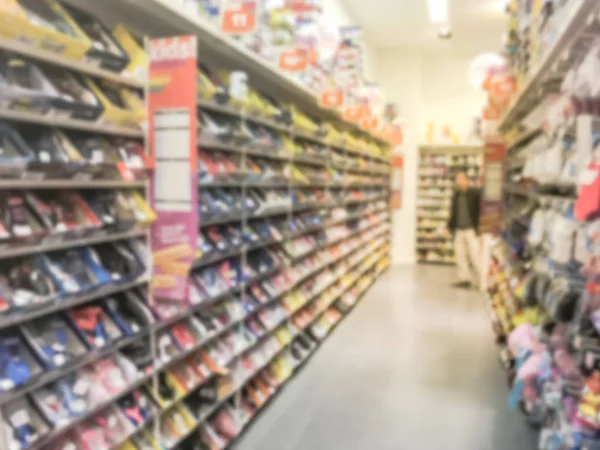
464	225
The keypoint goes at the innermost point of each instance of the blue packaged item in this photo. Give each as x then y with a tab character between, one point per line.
91	259
55	343
129	313
67	271
17	365
15	154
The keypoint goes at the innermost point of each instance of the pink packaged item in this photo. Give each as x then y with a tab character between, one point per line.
523	338
567	365
588	202
529	371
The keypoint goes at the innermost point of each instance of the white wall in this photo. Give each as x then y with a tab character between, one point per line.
401	80
426	87
447	95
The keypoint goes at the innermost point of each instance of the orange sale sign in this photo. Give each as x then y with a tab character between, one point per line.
239	18
354	113
293	60
369	122
331	98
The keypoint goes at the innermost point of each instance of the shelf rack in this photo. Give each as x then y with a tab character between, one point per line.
55	241
438	165
348	263
159	18
531	128
578	30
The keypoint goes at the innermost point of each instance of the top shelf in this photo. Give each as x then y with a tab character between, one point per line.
58	60
581	15
164	18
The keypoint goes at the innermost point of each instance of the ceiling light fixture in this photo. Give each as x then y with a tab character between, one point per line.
438	11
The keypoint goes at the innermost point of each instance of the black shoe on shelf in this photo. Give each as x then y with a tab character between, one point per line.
462	285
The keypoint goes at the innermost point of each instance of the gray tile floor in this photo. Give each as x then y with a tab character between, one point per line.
413	367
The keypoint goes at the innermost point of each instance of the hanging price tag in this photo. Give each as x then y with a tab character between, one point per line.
238	17
293	60
331	98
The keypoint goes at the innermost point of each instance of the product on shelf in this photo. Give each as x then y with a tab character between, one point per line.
22	425
92	359
54	341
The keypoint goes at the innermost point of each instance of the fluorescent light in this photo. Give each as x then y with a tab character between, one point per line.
438	11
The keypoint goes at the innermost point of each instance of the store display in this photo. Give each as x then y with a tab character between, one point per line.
288	225
542	278
438	166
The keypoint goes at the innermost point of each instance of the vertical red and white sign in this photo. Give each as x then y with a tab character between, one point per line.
172	136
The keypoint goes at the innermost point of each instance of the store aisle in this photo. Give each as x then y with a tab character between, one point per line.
413	367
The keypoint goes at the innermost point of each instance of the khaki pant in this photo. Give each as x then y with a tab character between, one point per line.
467	252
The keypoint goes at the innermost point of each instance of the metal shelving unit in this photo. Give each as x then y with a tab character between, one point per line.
159	18
438	165
319	275
579	28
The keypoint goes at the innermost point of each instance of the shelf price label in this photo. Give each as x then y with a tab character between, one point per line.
293	59
239	17
332	98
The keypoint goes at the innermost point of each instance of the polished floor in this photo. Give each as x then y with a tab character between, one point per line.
413	367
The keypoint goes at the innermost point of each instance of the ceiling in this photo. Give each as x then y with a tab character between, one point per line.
477	25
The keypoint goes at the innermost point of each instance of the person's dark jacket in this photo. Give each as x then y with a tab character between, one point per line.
474	203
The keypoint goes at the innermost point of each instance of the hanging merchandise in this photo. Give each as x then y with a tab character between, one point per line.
543	280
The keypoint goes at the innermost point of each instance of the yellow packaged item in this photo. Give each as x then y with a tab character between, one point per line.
135	103
143	212
178	420
171	383
116	109
138	58
204	87
304	122
126	446
35	22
